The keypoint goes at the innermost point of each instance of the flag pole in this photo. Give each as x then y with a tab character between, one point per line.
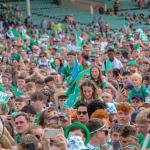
28	8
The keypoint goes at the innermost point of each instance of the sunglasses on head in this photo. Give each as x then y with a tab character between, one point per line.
81	112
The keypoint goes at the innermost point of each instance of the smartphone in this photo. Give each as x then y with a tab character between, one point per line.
121	85
30	146
52	133
117	145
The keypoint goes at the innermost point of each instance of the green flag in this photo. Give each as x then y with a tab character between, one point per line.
72	98
4	97
108	66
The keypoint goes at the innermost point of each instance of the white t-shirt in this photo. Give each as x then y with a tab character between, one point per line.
115	64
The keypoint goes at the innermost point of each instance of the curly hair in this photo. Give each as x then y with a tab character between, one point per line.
94	105
128	131
100	79
94	88
125	107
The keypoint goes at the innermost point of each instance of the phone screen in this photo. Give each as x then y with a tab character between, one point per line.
30	146
121	85
52	133
117	145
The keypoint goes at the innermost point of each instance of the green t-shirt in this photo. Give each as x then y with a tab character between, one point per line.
142	91
15	56
37	118
141	141
16	92
66	71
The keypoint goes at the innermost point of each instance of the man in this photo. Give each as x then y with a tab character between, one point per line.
124	111
19	91
142	122
82	114
39	84
19	103
67	71
37	99
115	133
126	80
107	97
30	110
111	62
94	105
50	82
98	134
128	135
21	125
137	100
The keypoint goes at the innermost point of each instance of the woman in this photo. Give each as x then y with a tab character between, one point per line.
58	65
15	65
96	76
3	68
5	60
89	92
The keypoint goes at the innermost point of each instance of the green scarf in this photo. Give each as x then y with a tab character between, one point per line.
108	66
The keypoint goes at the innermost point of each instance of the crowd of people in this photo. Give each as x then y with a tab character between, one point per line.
65	90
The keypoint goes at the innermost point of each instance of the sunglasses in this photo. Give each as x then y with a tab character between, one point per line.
42	56
82	112
38	136
106	132
11	97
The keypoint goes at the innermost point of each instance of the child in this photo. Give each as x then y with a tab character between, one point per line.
136	80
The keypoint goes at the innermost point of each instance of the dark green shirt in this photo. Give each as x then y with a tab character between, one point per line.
15	56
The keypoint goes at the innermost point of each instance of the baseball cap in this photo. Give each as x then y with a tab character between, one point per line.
129	86
134	114
138	97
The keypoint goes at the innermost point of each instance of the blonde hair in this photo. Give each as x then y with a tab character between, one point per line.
136	75
141	118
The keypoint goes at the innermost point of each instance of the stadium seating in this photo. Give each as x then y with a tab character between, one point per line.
45	8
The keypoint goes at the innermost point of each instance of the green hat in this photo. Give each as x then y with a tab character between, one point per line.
132	63
78	124
34	61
